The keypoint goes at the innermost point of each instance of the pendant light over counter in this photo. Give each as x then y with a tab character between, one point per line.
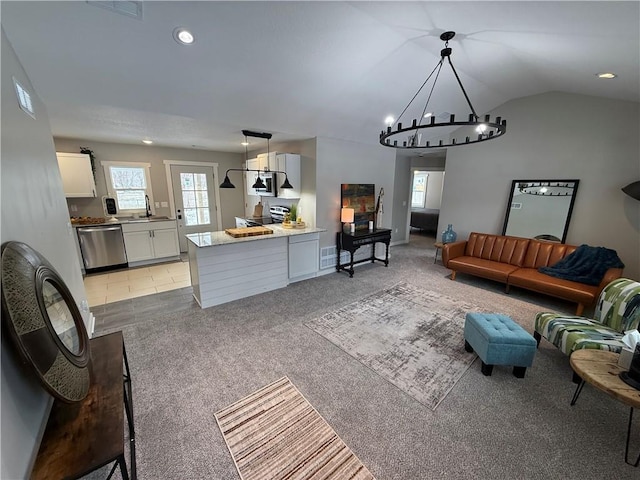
633	190
259	184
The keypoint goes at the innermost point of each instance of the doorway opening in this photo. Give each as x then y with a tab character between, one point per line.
424	207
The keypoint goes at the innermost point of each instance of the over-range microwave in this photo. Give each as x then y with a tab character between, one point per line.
269	179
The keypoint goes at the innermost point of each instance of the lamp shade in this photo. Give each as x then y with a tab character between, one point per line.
286	183
259	184
347	215
633	190
227	183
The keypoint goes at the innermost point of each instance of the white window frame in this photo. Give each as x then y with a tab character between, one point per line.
419	173
112	191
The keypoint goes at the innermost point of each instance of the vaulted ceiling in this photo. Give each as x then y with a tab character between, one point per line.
306	69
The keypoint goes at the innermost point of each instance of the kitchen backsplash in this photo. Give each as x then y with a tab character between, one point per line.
92	207
267	202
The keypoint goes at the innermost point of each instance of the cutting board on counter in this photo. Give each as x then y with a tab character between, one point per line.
247	231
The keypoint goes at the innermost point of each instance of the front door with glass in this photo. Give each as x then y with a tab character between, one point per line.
193	192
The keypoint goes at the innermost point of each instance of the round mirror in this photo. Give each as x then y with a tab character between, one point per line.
60	317
43	320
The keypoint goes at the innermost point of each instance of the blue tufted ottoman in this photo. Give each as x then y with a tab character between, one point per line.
498	340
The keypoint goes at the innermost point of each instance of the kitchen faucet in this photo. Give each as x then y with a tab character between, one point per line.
147	204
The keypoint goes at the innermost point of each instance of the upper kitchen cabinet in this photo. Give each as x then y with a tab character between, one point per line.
281	162
77	174
289	163
267	161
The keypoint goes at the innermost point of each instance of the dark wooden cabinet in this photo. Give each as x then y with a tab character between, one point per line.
84	436
353	241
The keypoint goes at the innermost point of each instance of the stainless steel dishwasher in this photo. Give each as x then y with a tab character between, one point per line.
102	247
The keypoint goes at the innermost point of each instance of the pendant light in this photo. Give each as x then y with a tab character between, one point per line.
410	137
259	184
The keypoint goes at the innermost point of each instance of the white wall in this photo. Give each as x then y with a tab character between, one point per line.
34	211
338	162
231	200
554	135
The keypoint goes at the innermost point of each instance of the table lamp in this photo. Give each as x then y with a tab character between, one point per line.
346	216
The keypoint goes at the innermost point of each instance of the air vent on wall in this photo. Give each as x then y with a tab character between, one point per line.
24	99
130	9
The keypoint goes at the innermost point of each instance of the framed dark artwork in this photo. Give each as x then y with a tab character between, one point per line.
42	319
540	209
360	197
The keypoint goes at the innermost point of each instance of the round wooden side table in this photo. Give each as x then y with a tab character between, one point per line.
600	369
438	246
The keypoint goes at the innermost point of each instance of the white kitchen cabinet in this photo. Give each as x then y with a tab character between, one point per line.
165	242
150	241
267	161
289	163
77	175
280	162
139	245
304	256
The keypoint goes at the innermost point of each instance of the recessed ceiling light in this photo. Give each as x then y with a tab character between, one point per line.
606	75
428	114
148	142
244	144
389	121
183	36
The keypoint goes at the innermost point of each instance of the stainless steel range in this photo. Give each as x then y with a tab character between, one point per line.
278	212
276	215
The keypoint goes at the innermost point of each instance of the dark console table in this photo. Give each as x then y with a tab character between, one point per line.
84	436
353	241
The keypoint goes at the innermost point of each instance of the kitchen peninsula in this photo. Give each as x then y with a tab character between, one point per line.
225	268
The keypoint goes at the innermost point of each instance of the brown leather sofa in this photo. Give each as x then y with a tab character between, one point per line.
515	262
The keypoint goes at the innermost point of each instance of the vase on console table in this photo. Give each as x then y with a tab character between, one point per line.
449	235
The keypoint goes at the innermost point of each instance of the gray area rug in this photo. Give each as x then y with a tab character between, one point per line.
409	336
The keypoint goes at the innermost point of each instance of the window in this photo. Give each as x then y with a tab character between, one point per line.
195	198
419	190
129	183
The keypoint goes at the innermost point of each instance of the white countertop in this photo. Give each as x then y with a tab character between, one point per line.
211	239
123	221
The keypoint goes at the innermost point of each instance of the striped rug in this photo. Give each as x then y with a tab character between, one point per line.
275	434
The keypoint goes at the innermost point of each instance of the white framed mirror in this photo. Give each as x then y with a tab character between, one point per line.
540	209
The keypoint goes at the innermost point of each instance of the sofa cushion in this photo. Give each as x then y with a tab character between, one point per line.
532	279
498	248
482	268
544	254
618	306
571	333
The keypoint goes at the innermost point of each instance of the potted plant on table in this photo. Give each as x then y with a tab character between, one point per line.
293	212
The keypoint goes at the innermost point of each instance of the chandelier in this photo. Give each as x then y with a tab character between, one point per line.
547	189
397	136
259	184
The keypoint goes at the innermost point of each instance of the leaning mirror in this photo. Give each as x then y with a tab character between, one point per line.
540	209
44	323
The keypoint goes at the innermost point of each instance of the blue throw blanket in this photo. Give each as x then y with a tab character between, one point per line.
585	265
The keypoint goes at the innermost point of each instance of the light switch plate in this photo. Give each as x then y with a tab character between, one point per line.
157	204
165	204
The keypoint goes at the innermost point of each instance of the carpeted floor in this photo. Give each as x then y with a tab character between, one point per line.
188	363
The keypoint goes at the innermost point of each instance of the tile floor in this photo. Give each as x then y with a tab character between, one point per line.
136	282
